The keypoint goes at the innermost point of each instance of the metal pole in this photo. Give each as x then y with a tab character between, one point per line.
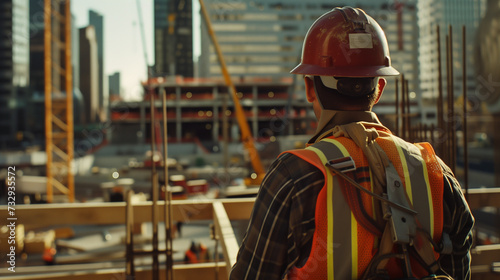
225	137
48	94
396	130
433	140
448	136
464	116
440	125
69	100
451	98
403	108
168	194
154	186
129	238
407	98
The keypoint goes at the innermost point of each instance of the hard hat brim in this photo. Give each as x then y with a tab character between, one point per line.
345	71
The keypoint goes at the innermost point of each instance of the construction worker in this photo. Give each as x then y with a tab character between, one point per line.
358	202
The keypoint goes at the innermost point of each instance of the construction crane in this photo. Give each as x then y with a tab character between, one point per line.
59	132
246	135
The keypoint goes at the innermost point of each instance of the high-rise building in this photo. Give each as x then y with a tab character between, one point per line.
114	84
14	66
37	27
173	37
75	53
264	39
97	20
89	73
446	13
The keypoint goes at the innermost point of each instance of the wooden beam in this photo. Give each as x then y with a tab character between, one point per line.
204	271
485	254
42	215
224	232
238	208
484	263
482	197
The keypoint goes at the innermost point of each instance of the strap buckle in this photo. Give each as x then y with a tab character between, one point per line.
343	164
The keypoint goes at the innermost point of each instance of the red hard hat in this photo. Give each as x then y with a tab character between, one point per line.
345	42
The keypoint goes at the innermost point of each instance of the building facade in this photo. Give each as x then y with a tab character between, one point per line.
114	85
264	39
444	14
202	110
14	67
97	20
173	38
89	78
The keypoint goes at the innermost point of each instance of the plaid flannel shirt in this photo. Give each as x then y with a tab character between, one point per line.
279	235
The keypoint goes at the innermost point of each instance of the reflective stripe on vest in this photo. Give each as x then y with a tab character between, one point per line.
349	251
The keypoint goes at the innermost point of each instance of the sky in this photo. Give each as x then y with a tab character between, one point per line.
123	46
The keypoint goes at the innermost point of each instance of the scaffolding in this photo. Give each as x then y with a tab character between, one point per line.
58	98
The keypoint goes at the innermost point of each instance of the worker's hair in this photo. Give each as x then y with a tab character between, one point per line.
331	99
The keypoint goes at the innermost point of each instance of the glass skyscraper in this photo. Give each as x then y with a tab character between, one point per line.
173	38
264	38
14	67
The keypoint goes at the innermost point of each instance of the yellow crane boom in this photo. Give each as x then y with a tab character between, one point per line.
246	135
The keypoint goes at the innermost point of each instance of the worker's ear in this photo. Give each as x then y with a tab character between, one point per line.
310	92
380	88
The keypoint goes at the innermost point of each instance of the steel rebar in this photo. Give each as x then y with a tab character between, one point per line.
396	125
154	186
451	98
464	116
440	113
129	237
403	109
168	195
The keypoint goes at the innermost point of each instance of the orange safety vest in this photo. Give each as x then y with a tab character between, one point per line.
342	248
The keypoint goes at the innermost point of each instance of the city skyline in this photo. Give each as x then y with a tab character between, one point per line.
123	46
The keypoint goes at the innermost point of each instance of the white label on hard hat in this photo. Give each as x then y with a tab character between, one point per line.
360	41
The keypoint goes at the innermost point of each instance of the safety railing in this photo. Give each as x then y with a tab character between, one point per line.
485	258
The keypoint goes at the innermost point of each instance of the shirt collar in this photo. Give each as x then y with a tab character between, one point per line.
331	118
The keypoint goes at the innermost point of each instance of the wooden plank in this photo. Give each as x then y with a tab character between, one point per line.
204	271
484	263
482	197
485	254
238	208
108	213
224	232
42	215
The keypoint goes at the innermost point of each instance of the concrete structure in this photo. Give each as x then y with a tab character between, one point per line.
14	67
97	20
198	110
264	39
36	46
89	73
75	53
173	38
114	84
445	13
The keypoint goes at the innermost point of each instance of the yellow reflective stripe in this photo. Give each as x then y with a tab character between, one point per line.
329	207
339	145
429	196
354	223
405	170
354	246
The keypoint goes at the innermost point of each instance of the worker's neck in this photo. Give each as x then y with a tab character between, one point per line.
331	118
